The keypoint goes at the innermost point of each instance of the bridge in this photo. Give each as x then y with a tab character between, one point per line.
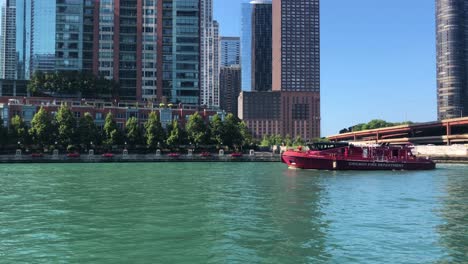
444	132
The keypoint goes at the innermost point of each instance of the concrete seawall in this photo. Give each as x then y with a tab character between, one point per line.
258	157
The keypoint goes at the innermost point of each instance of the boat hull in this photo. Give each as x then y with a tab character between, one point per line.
319	163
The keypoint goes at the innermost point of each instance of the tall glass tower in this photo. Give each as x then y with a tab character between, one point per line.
452	58
16	42
246	46
43	35
256	44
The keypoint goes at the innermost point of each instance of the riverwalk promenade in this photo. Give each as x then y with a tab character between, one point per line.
87	158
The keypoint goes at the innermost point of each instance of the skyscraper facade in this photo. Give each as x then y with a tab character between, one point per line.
452	58
8	52
261	45
15	52
294	98
246	46
151	48
43	20
296	65
229	86
69	35
230	51
179	69
209	56
256	44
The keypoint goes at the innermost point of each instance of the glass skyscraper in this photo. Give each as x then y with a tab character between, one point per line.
452	58
261	45
246	46
43	35
256	42
16	31
230	51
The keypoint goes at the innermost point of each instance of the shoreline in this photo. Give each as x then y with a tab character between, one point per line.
146	158
138	158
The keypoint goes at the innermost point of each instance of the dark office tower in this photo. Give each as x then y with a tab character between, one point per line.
452	58
261	45
230	88
296	65
127	39
89	11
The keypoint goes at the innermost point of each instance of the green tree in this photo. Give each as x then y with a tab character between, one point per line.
216	130
231	134
154	132
111	132
42	129
246	136
196	129
288	140
298	141
133	131
87	130
18	131
66	126
265	141
36	83
176	135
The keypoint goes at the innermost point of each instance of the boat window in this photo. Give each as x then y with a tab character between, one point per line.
325	146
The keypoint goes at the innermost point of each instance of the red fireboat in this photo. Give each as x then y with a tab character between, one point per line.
345	156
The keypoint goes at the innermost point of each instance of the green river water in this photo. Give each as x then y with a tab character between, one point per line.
230	213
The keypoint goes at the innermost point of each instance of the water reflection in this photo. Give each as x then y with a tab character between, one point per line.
454	210
265	218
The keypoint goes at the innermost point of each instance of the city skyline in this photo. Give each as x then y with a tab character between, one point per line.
397	59
393	57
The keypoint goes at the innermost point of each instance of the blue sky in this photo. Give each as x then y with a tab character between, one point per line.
377	59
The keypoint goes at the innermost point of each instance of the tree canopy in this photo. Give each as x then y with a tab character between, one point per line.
133	131
66	126
154	132
373	124
42	129
71	82
197	129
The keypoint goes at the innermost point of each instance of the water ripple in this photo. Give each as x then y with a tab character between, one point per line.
230	213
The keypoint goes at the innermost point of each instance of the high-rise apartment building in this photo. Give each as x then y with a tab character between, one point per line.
296	65
151	48
230	51
452	58
43	33
15	52
69	35
178	51
8	52
209	56
294	102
